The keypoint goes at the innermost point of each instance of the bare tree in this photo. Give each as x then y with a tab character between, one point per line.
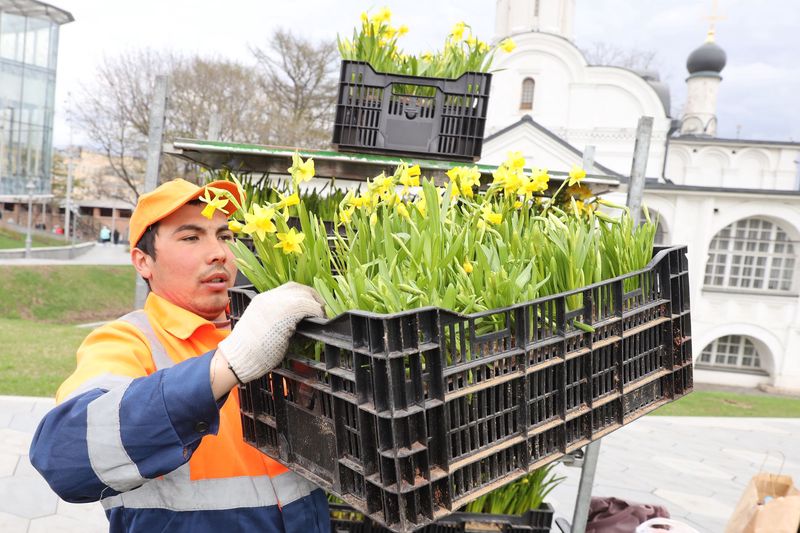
114	111
298	76
287	98
611	55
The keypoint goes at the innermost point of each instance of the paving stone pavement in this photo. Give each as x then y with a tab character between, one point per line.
695	467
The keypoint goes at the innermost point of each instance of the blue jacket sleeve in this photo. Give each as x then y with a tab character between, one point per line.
110	440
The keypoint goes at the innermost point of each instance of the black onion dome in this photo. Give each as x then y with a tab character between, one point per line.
708	57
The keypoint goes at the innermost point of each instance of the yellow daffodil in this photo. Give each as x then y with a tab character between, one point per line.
212	204
580	192
259	222
536	183
515	160
467	191
422	206
471	176
458	31
517	204
346	215
288	201
402	210
576	174
427	56
380	185
409	176
300	170
467	266
235	226
390	32
290	242
402	30
500	175
364	17
508	45
490	216
383	15
513	182
454	174
472	41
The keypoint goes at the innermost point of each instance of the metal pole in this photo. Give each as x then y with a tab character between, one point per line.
68	209
158	110
588	158
113	223
30	188
641	150
214	127
581	515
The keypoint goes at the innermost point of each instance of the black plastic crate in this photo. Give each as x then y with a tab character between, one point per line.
345	519
410	115
407	417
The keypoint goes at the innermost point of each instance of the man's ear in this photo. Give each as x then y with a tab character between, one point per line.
142	263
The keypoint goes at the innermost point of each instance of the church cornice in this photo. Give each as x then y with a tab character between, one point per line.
694	139
656	186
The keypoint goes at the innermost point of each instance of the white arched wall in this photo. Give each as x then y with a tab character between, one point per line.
709	167
779	217
678	163
787	218
769	347
752	168
560	69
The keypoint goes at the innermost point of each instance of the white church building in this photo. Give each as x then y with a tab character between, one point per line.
734	202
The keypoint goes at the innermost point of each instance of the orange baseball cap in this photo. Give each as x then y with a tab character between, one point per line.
168	198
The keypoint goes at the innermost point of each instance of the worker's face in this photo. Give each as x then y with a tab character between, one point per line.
194	266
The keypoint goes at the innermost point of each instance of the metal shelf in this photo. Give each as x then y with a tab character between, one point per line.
260	159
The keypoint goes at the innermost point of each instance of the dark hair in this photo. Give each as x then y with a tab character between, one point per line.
147	242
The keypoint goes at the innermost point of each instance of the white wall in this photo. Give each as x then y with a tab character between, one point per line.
585	105
771	321
733	165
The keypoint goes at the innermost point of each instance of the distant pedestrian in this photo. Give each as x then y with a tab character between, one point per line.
105	235
116	236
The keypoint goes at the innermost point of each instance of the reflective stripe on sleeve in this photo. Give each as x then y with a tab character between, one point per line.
177	492
290	487
105	381
107	455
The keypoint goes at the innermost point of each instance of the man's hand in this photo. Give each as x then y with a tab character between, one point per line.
259	341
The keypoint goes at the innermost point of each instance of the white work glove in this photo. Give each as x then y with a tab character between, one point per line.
260	338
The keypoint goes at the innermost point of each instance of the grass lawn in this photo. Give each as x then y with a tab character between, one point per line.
12	239
35	357
707	403
66	294
39	307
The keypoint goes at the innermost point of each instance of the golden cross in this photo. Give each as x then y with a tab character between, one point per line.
712	19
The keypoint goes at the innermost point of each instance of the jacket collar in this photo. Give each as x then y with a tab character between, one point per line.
176	320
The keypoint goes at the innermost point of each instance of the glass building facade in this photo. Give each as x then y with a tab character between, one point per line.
28	52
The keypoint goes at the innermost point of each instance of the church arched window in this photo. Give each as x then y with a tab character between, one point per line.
752	253
735	352
526	102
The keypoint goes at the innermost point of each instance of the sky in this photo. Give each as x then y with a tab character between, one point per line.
759	97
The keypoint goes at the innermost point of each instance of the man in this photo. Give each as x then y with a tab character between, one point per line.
149	421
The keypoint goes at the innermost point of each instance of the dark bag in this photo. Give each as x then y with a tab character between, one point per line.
612	515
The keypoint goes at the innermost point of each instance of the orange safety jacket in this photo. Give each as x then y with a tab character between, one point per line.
136	427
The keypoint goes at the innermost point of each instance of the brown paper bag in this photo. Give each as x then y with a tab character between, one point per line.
780	513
